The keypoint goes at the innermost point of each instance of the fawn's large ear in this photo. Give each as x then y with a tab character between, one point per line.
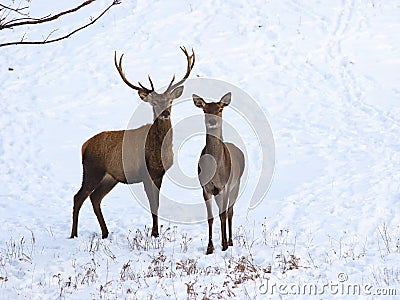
198	101
144	96
226	99
176	93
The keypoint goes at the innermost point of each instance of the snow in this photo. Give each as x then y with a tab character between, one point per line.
324	73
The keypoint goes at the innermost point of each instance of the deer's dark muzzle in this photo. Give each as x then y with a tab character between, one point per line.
212	122
165	114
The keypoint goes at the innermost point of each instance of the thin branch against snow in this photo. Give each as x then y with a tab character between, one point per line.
18	10
34	21
48	18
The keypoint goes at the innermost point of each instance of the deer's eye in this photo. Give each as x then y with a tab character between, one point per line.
220	110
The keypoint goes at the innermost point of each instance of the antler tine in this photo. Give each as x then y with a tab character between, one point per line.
145	88
151	83
194	58
142	86
183	48
170	84
191	57
122	74
190	64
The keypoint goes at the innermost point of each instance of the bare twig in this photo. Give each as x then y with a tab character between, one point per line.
47	40
49	35
31	21
17	10
385	237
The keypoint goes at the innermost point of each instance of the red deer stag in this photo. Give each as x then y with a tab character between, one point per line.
220	168
137	155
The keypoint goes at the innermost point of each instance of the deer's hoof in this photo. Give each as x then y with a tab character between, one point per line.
210	249
104	236
155	234
230	242
224	245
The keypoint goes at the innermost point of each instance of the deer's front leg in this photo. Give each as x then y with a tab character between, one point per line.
152	188
210	218
222	202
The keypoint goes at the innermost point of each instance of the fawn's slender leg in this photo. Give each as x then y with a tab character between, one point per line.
232	200
222	202
210	218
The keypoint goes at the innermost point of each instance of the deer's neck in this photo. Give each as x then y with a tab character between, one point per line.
214	143
159	155
161	130
159	136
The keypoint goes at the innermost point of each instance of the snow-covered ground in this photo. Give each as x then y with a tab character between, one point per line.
325	73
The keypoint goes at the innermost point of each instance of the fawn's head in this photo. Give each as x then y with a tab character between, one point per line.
213	110
160	102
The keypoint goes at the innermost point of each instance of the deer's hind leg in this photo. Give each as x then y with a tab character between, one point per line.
232	199
91	179
105	186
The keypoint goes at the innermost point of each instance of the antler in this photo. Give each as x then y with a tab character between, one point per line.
171	86
122	74
190	64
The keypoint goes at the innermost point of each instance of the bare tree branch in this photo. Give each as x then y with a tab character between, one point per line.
30	21
47	40
17	10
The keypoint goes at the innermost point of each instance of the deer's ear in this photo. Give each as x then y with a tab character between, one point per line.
226	99
176	93
144	96
198	101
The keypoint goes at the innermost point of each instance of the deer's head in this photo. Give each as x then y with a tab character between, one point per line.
160	102
212	111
